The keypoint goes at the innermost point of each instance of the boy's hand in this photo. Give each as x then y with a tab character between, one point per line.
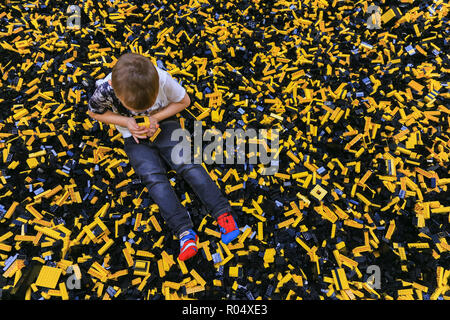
136	130
139	131
153	127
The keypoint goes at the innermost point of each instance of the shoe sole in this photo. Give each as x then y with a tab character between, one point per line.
189	245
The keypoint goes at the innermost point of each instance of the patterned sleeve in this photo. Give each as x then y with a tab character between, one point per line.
173	90
101	99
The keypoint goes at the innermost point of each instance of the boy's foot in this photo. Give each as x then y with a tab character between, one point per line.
188	245
228	227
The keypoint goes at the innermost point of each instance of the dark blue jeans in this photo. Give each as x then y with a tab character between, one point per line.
148	160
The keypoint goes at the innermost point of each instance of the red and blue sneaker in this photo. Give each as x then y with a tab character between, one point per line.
228	227
188	245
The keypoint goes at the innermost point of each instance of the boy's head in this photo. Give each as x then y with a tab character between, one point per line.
135	81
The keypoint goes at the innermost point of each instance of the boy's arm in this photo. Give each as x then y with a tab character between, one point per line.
172	109
109	117
127	122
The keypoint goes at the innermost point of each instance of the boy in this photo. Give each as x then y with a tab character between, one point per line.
137	87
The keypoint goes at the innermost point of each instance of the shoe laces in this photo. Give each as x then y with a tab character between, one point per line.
189	236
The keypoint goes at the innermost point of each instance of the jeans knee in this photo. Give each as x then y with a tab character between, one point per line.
152	179
187	168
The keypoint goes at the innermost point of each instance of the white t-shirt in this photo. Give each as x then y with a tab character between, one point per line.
104	98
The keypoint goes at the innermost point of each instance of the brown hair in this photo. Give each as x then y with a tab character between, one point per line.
135	81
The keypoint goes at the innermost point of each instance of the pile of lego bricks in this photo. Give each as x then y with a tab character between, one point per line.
359	207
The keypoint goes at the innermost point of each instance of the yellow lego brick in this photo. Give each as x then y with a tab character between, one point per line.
48	277
234	271
212	233
269	255
318	192
198	278
141	267
155	135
